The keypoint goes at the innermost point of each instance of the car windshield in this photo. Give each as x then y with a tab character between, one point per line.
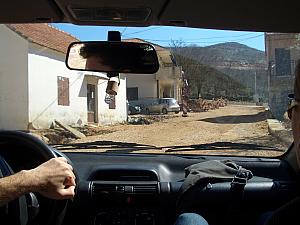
231	88
172	101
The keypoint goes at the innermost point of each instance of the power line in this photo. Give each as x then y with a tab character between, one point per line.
214	37
219	37
273	39
141	31
124	30
245	39
217	63
194	41
206	42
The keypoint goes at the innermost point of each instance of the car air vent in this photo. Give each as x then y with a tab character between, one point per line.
145	189
100	188
124	175
104	188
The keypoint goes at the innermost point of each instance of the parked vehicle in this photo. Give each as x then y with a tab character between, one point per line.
133	109
161	105
172	105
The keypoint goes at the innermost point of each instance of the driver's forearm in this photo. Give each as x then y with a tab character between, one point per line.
14	186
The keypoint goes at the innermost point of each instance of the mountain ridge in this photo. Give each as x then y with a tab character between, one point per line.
244	64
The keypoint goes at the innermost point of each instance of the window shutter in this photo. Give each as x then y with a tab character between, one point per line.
63	91
112	104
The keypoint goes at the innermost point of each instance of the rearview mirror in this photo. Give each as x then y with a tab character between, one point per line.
119	57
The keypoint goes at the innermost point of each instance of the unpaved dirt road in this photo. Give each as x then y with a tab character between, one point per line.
234	129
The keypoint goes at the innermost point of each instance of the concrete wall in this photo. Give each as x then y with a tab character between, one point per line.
13	80
280	86
29	89
45	66
172	72
146	83
279	40
279	89
43	94
168	81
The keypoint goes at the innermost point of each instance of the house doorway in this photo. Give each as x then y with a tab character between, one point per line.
167	92
91	103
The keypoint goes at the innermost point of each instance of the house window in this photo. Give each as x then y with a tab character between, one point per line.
63	91
283	62
112	103
132	93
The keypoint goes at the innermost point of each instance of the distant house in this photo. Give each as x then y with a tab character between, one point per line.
166	82
36	88
282	51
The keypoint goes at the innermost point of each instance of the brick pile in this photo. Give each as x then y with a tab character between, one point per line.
203	105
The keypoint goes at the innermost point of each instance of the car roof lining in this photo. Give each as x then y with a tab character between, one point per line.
279	16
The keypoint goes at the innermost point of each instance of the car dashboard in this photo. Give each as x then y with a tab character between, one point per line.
144	189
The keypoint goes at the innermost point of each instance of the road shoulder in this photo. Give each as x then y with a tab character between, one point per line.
278	130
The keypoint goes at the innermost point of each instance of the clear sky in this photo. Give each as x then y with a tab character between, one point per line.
164	35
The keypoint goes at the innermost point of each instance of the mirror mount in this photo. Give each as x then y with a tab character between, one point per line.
113	36
112	86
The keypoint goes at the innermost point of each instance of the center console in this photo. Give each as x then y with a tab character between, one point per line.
126	197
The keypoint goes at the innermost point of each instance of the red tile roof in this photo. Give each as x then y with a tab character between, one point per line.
45	35
138	40
163	53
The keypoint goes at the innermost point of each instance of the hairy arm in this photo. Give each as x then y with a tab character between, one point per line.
14	186
53	179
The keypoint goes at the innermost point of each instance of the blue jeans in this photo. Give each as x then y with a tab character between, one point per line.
190	219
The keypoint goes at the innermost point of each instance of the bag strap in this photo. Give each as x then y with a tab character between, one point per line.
237	187
239	182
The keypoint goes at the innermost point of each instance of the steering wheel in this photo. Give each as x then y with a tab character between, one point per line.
56	209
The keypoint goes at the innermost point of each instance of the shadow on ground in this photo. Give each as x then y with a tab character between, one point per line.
237	119
270	140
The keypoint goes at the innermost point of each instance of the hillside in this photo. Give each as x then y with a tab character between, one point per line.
240	62
227	54
208	82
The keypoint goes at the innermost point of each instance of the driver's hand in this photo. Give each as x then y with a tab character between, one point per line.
54	179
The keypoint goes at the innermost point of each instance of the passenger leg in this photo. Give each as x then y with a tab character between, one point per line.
190	219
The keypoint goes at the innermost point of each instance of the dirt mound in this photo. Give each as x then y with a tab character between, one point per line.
148	119
53	136
94	130
61	136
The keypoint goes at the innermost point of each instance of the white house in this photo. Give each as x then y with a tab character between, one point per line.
166	82
36	88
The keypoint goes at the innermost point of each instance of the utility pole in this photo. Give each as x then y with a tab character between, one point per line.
255	96
255	90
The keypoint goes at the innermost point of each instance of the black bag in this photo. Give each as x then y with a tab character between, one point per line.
214	171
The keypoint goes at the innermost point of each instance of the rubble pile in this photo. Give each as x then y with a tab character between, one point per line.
203	105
